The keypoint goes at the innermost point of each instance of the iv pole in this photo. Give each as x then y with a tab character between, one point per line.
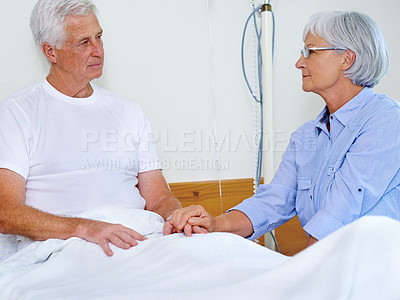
265	160
267	55
266	46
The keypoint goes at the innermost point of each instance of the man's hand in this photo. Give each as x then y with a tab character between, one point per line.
102	233
191	219
18	218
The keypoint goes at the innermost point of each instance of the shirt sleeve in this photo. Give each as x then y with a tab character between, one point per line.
274	203
15	138
147	153
363	176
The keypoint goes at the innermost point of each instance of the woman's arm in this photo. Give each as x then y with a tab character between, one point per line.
192	218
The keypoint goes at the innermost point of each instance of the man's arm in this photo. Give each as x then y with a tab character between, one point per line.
155	191
18	218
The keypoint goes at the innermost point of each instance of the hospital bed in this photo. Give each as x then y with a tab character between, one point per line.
359	261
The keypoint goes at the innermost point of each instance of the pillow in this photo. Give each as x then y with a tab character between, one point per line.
8	245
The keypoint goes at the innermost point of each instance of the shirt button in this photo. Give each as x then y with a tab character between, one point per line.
331	117
311	197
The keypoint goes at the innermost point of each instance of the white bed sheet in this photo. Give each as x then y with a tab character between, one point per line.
360	261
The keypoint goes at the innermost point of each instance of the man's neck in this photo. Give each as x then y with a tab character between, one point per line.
69	87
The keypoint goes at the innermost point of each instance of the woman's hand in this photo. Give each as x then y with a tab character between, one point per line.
191	219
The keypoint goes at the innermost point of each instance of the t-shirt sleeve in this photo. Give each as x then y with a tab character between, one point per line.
147	153
15	138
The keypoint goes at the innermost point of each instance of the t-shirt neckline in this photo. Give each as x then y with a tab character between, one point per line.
75	101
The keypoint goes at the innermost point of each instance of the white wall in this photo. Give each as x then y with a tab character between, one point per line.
158	54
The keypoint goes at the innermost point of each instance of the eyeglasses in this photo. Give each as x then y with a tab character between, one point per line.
306	51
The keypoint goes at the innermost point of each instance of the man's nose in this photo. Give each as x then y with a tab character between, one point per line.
97	48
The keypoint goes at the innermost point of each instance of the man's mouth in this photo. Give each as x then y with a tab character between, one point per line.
96	65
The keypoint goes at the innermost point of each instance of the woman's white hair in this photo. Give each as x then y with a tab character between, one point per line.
48	19
357	32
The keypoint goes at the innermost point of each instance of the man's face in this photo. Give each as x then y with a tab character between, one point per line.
81	57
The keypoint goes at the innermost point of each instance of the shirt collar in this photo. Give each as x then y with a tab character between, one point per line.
347	112
322	119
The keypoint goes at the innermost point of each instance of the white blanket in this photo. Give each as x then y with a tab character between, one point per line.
360	261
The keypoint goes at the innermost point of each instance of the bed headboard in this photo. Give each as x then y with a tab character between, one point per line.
290	236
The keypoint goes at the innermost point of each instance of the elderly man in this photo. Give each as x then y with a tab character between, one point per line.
67	146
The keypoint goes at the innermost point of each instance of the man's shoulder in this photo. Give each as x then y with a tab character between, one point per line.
26	91
116	100
23	97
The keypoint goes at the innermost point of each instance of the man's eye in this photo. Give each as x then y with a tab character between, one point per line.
311	51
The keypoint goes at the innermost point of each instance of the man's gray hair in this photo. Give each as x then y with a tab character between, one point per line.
48	19
357	32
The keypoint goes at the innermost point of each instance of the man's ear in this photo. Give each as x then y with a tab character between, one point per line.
49	52
349	58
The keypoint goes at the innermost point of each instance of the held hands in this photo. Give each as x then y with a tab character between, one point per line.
191	219
102	233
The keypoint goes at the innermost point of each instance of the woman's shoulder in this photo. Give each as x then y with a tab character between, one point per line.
306	131
383	102
380	109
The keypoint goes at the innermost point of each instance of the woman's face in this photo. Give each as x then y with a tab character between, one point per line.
322	71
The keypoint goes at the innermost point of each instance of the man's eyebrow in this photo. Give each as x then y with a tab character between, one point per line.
86	37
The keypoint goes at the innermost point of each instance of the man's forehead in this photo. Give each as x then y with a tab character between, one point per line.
81	26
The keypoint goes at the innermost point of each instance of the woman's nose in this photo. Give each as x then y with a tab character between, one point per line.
301	62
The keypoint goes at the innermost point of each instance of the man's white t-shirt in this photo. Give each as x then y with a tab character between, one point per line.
76	153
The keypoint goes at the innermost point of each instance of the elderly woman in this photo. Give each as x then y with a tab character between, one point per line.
342	165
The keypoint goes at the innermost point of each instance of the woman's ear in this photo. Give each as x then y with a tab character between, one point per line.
349	58
49	52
